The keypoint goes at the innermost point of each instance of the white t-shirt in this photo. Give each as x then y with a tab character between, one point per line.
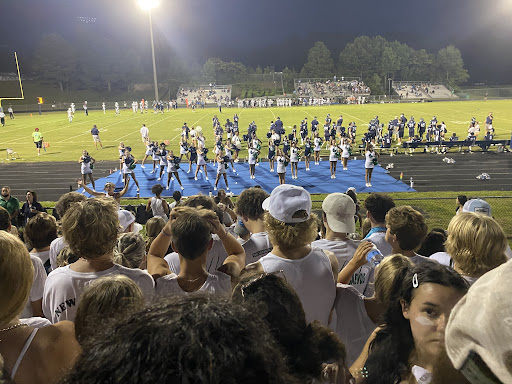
352	324
442	258
256	247
144	131
363	278
56	246
312	279
379	239
370	155
217	283
36	292
157	208
36	322
64	286
418	259
281	168
44	255
214	259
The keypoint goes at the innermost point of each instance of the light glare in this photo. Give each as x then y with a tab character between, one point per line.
148	4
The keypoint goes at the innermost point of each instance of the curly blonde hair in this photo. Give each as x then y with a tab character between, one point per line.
91	227
476	243
290	236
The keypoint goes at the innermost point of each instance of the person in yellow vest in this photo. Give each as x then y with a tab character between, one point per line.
38	140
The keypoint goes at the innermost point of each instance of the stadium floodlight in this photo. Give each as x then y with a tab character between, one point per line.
148	5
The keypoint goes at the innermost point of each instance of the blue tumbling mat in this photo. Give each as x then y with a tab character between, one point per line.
317	180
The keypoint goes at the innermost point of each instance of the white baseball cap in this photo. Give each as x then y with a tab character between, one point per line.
289	204
126	218
477	206
339	210
480	327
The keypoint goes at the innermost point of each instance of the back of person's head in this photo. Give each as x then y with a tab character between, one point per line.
66	257
379	204
41	230
188	339
191	231
306	346
434	242
366	227
91	227
176	195
391	349
408	225
5	219
66	200
157	189
16	277
130	250
206	202
476	243
462	199
338	211
104	300
153	228
249	203
389	274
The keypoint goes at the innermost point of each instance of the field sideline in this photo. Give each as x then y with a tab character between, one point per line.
67	140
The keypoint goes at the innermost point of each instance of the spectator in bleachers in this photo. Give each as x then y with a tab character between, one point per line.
130	250
433	243
103	301
61	207
291	228
377	205
406	347
31	207
460	201
235	346
91	229
40	232
307	347
31	355
190	231
249	209
10	203
406	229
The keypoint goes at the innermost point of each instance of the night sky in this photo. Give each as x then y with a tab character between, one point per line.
278	32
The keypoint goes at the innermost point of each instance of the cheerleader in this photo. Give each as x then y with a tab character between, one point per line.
201	160
162	156
121	154
157	205
219	147
149	152
154	156
307	152
345	154
237	144
173	164
371	161
201	140
183	148
256	143
317	147
294	159
228	153
294	132
222	165
334	156
282	162
192	149
271	154
129	167
86	165
253	158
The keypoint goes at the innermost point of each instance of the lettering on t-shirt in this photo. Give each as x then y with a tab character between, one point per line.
358	278
262	253
63	306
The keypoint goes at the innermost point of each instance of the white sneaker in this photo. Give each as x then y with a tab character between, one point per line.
172	178
168	188
345	169
182	187
271	170
333	176
227	188
138	189
195	178
214	188
188	171
159	179
206	178
153	171
143	167
234	170
369	184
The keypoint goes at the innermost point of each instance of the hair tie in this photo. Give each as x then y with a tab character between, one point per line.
415	283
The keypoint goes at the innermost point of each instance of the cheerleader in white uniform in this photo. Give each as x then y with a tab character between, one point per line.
369	164
222	165
237	145
282	162
345	154
271	154
183	148
129	167
333	156
294	159
121	155
201	162
148	153
86	165
253	158
318	146
162	155
154	155
173	164
228	153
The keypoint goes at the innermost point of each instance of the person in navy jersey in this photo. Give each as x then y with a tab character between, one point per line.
488	122
411	125
422	126
185	130
328	119
96	136
314	125
303	130
279	124
394	125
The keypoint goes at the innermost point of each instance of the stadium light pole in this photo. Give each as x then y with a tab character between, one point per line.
148	5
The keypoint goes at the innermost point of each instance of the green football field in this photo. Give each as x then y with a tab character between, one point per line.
67	140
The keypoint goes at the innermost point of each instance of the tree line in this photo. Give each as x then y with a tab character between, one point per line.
104	65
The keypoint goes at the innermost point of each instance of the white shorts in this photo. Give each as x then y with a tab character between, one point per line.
96	138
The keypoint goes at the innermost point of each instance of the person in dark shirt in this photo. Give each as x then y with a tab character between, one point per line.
411	125
422	126
96	136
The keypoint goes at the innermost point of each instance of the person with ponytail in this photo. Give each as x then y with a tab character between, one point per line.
406	347
130	250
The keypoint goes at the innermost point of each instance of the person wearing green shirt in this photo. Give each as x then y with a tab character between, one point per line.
11	204
38	140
